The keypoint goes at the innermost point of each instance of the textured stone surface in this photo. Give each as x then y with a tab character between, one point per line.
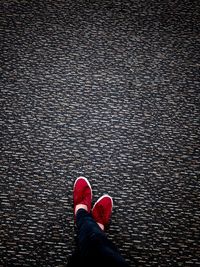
108	90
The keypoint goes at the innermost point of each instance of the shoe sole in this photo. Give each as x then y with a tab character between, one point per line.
86	180
106	195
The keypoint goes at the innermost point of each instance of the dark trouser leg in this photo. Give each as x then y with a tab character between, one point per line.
94	246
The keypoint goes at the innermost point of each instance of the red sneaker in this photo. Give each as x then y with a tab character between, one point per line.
82	192
102	210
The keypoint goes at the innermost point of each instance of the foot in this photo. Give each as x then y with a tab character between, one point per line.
82	194
102	210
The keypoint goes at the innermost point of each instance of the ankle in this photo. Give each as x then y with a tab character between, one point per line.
101	226
80	206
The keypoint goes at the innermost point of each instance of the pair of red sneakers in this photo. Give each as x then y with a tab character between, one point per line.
102	209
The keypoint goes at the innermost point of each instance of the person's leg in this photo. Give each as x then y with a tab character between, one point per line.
94	246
